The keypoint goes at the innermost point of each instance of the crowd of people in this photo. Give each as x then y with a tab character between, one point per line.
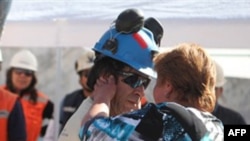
111	104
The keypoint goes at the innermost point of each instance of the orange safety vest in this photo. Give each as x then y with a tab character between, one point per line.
7	101
144	101
34	115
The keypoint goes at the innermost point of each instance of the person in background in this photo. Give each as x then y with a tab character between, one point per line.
73	100
185	97
12	123
21	80
226	115
125	51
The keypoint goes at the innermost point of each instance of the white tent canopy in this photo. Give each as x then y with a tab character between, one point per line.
235	62
65	33
52	23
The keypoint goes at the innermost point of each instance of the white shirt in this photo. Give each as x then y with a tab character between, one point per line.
73	125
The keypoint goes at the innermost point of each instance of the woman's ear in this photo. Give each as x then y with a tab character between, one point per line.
168	90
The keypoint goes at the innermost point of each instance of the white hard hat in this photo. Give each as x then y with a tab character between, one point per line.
220	78
85	60
24	59
1	56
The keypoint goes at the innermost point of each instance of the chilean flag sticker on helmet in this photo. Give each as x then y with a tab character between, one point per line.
140	40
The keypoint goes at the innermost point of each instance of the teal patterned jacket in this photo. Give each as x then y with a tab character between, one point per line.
161	122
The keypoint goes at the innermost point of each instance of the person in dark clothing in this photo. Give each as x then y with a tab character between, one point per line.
226	115
72	100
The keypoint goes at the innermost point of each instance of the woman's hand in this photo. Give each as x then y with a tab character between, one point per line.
104	91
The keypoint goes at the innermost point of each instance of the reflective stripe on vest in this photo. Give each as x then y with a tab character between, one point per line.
39	99
4	113
6	105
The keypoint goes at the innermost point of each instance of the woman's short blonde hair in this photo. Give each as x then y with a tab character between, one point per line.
191	71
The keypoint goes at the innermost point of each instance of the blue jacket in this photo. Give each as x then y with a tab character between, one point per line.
70	104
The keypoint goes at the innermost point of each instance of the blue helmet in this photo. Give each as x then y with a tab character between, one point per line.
136	49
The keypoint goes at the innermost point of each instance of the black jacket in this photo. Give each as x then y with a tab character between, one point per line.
70	104
228	116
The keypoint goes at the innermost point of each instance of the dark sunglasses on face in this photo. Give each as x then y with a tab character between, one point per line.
23	71
134	80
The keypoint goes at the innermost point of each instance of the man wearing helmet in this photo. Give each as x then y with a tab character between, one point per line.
73	100
21	80
184	94
226	115
125	53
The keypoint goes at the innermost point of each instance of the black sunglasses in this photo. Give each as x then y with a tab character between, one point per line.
23	71
134	80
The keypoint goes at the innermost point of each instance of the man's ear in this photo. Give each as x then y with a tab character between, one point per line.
220	91
80	82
